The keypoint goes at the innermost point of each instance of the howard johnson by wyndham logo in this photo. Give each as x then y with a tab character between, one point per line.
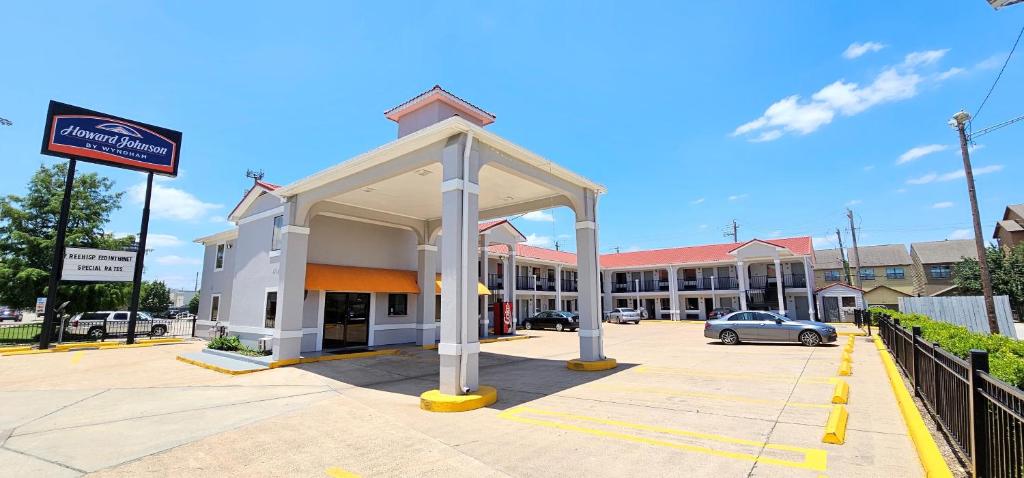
113	138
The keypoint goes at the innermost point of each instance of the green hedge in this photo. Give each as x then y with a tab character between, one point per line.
231	343
1005	355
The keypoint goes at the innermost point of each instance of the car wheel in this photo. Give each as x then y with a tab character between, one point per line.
528	325
96	332
158	330
810	338
729	337
559	327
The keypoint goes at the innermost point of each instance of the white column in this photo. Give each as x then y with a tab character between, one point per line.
741	277
809	274
510	285
606	292
591	342
459	348
485	318
426	272
673	290
779	287
291	285
558	287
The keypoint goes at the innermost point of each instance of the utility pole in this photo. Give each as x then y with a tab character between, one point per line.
959	121
856	252
842	256
734	233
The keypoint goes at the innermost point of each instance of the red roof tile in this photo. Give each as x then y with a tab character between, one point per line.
539	253
695	254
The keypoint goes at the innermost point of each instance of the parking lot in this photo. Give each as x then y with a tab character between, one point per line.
678	404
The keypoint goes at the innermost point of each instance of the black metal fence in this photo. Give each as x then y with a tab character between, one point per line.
980	414
95	330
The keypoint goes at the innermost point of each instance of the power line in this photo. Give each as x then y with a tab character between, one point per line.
998	76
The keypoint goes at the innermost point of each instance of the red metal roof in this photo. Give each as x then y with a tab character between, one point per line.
539	253
266	185
696	254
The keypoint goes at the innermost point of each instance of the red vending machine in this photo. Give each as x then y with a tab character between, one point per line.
502	318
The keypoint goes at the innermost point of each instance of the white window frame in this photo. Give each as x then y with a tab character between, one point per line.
276	230
217	318
217	252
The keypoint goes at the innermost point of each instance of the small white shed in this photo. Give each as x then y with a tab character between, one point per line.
836	302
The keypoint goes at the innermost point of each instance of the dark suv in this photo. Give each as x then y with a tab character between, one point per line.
553	319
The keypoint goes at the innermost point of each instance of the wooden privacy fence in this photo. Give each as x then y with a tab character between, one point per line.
965	311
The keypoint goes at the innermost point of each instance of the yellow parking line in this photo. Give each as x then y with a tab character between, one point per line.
813	459
725	375
713	396
76	357
335	472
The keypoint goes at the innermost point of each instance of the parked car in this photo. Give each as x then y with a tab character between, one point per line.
113	323
760	326
553	319
623	315
720	312
9	313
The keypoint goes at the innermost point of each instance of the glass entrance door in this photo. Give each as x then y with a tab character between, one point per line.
346	320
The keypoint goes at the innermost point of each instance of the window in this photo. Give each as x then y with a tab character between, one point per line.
121	316
270	309
275	240
849	301
214	307
218	263
398	304
831	276
894	272
939	272
867	274
741	317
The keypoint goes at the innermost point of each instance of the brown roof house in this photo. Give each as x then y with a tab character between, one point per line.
884	273
1010	231
933	264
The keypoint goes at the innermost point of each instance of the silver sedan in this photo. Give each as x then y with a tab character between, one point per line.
760	326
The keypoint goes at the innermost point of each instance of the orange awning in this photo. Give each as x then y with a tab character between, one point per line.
481	289
360	279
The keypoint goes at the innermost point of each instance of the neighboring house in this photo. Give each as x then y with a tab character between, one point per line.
181	297
1010	231
885	272
933	264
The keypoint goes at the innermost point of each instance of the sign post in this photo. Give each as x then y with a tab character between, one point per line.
80	134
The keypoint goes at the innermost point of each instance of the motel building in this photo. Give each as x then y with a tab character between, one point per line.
388	247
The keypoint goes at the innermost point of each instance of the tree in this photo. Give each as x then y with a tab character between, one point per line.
28	225
1006	268
154	297
193	305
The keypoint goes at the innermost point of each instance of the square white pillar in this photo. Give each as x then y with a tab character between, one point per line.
673	290
291	286
741	275
779	287
591	341
426	271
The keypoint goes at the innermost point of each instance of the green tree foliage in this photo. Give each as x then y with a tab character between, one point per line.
1006	268
154	297
193	305
28	227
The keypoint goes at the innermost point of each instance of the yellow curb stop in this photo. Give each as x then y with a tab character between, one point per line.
835	427
841	394
435	401
591	366
847	357
845	369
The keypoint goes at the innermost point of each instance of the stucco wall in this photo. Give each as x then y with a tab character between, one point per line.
352	243
215	282
255	269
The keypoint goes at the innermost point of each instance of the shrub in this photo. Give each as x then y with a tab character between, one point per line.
1005	355
231	343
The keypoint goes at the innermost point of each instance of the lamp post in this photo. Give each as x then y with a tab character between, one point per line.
959	122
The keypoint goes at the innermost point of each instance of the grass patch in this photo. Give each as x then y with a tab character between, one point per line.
20	334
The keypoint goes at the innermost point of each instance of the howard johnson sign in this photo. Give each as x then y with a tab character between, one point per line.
87	135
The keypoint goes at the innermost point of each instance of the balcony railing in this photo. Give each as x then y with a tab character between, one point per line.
794	280
545	284
569	285
495	281
526	283
653	285
707	283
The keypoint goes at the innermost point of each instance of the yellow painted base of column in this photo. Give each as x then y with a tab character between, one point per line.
594	366
435	401
841	394
835	427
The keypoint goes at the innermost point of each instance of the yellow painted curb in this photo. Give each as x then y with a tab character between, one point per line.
854	334
29	352
328	358
835	427
847	357
841	394
430	347
845	369
15	348
927	451
161	340
214	367
505	339
435	401
594	366
284	362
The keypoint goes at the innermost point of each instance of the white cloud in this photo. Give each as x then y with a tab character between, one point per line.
823	242
172	203
919	58
950	73
737	197
960	234
856	50
853	202
901	190
775	233
919	152
994	61
869	167
539	216
162	240
794	115
702	226
697	201
173	260
952	175
942	205
539	241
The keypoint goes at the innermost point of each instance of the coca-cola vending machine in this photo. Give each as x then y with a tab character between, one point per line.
503	318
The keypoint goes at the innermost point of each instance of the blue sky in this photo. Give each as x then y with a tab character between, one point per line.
777	114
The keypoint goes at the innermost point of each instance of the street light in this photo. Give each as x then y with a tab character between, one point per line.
959	121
